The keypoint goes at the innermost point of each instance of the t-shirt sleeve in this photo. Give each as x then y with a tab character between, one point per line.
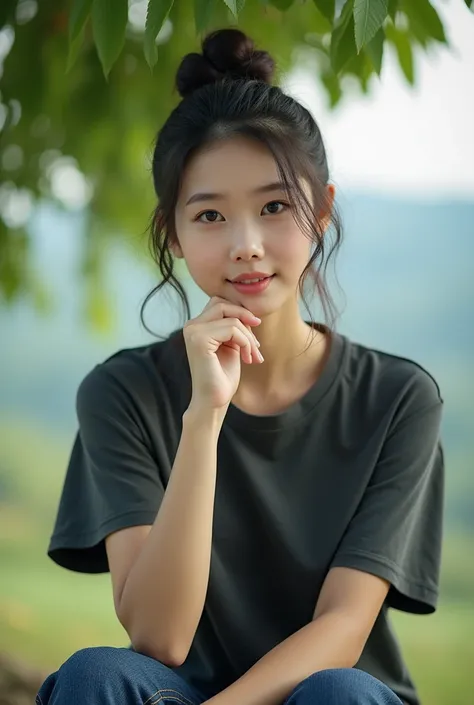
396	531
112	480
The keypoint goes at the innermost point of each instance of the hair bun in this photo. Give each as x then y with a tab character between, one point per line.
225	53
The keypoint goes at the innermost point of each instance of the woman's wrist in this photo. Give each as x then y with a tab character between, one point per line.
204	419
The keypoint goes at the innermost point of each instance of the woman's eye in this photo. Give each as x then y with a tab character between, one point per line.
213	215
273	207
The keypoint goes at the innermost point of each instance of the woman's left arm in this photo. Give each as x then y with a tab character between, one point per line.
389	553
347	608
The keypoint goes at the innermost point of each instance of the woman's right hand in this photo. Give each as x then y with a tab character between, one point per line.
216	342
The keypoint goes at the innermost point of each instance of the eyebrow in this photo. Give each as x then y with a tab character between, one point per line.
266	188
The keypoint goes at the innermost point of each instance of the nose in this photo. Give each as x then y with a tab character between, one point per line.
246	244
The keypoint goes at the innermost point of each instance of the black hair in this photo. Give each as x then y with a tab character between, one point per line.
227	91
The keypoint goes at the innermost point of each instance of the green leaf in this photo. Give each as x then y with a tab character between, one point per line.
74	49
402	44
375	50
424	18
109	22
470	4
232	5
419	33
318	23
331	83
236	6
326	8
361	66
78	17
369	16
158	11
80	11
393	8
343	46
281	5
203	11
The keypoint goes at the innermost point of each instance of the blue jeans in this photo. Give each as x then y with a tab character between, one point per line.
119	676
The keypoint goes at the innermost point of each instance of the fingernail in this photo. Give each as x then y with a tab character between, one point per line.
256	318
260	356
257	343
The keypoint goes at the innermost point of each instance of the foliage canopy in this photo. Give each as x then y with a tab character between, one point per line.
85	84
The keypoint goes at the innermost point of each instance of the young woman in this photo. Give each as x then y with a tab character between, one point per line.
261	488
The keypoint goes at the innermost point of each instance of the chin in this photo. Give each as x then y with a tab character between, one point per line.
258	306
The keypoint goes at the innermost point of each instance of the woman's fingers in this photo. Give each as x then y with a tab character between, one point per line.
235	329
218	309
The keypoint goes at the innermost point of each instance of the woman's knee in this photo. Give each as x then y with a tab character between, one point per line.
97	660
102	673
343	686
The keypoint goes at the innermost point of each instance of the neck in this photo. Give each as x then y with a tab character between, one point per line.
291	350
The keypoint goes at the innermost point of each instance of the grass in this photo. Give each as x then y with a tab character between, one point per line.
439	651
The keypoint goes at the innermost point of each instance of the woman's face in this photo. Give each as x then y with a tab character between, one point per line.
232	218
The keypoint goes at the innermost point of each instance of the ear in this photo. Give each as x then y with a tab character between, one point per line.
326	212
171	238
173	244
175	249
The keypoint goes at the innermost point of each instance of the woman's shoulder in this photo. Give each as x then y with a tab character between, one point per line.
135	373
373	371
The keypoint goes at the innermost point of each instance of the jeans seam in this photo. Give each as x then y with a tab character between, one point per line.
167	697
160	691
38	700
186	700
151	696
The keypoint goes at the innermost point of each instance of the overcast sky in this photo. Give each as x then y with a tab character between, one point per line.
403	139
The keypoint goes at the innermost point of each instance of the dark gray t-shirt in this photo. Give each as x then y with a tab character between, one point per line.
350	475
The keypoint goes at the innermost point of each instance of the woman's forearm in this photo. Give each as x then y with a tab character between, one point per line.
330	641
163	597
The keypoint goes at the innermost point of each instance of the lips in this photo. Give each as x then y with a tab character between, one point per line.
252	286
250	277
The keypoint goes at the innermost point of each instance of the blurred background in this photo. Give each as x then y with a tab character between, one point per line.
75	201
